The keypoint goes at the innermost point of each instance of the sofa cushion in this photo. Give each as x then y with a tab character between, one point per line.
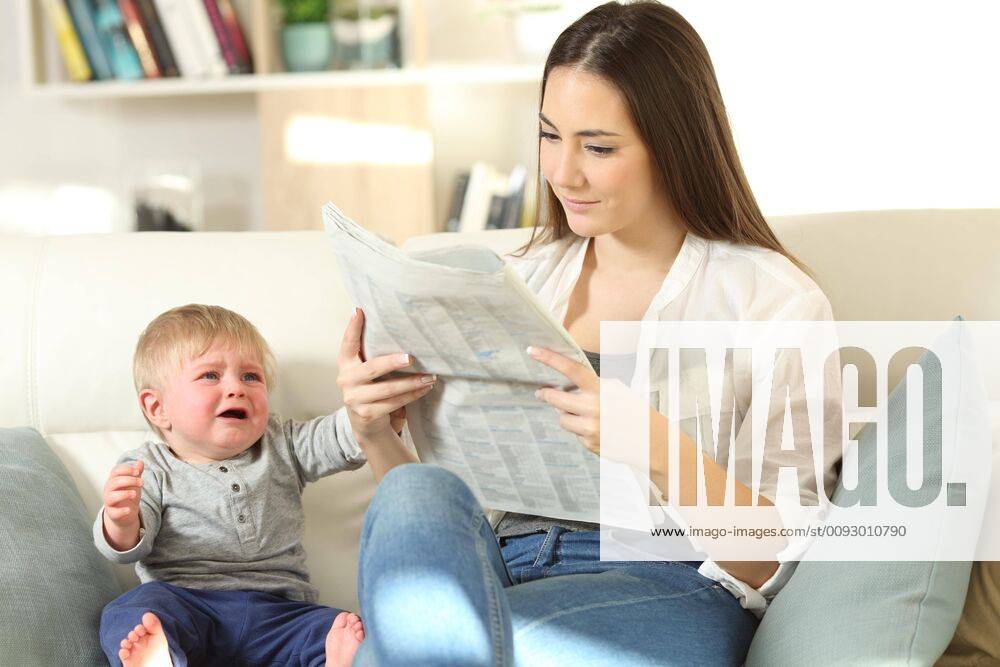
53	580
873	612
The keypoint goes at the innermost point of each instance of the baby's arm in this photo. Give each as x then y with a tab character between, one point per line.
122	492
128	522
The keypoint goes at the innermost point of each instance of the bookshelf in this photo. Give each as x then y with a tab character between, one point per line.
443	58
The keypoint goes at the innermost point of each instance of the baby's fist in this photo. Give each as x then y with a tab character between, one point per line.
121	494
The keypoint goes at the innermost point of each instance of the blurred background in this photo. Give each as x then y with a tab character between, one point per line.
416	116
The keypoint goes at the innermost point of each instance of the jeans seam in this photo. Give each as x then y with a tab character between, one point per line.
614	603
496	626
541	550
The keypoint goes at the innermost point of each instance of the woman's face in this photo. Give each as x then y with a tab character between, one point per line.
591	155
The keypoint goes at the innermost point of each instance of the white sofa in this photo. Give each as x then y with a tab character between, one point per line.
73	307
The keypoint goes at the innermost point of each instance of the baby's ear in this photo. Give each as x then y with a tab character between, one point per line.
152	406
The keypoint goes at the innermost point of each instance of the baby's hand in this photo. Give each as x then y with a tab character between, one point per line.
121	505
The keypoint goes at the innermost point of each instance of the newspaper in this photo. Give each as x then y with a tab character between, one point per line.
467	317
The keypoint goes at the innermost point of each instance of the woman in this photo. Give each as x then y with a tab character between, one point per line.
649	217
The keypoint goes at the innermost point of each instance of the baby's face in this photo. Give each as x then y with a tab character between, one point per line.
216	404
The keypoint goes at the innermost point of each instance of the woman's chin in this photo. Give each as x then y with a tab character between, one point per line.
583	224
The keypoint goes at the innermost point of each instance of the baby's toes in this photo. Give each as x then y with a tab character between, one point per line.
342	620
123	654
126	644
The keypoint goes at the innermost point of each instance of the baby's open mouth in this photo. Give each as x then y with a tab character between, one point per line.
234	414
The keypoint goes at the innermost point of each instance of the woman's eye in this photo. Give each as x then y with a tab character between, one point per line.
548	136
600	150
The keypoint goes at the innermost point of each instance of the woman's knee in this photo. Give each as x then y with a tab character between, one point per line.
421	491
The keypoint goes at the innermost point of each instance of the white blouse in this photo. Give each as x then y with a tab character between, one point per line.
708	280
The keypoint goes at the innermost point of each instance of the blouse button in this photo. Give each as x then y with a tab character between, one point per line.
241	519
223	468
235	487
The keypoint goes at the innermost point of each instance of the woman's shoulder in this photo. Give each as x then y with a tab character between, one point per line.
540	255
767	283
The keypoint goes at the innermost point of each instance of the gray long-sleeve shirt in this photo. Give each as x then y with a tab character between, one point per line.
235	524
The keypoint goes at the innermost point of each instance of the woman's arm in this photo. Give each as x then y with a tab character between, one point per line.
754	573
376	408
386	451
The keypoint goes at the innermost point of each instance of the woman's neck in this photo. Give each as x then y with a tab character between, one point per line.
637	248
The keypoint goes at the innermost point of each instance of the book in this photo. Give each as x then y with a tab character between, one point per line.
192	61
70	46
515	198
158	38
204	34
484	182
136	29
457	198
226	39
236	35
83	14
114	40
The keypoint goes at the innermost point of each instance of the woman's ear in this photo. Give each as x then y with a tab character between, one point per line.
151	405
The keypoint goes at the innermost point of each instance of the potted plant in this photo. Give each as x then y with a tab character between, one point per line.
536	24
306	40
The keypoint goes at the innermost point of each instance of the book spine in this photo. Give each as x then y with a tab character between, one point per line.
69	43
222	35
158	38
201	25
140	38
111	32
82	14
191	60
232	24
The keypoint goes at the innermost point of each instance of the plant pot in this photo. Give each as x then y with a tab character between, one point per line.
306	47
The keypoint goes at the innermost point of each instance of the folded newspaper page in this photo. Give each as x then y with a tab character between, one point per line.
467	317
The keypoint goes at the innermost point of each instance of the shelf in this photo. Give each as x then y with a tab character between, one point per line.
253	83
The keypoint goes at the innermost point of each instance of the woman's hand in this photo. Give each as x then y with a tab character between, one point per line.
579	410
375	408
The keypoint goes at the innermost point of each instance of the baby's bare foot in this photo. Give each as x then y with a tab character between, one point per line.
343	640
146	645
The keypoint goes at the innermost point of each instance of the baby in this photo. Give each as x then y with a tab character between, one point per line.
212	515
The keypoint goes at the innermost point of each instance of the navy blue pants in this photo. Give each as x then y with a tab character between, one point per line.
222	627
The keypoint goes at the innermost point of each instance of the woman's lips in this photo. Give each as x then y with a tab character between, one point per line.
578	205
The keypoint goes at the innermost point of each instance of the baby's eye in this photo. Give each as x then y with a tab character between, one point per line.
213	374
251	377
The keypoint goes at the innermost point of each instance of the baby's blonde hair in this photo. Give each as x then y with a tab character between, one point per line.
187	332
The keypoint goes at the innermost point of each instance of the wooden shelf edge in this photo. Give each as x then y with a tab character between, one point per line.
253	83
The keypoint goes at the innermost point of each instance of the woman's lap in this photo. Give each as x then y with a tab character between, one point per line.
561	603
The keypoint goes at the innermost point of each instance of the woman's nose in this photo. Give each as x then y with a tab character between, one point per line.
568	173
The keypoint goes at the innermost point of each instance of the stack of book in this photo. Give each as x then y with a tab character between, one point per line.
148	39
485	198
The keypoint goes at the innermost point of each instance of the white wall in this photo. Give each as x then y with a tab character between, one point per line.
103	143
860	104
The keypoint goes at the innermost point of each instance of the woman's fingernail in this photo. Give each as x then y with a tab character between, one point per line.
355	315
538	393
532	351
428	378
404	358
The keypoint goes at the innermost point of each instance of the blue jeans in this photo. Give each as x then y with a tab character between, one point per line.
222	627
436	588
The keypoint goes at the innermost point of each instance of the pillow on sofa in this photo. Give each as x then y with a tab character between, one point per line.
870	612
54	583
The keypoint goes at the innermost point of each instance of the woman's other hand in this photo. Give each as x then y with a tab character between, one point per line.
580	409
375	407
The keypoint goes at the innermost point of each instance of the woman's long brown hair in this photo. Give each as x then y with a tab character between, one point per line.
653	56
